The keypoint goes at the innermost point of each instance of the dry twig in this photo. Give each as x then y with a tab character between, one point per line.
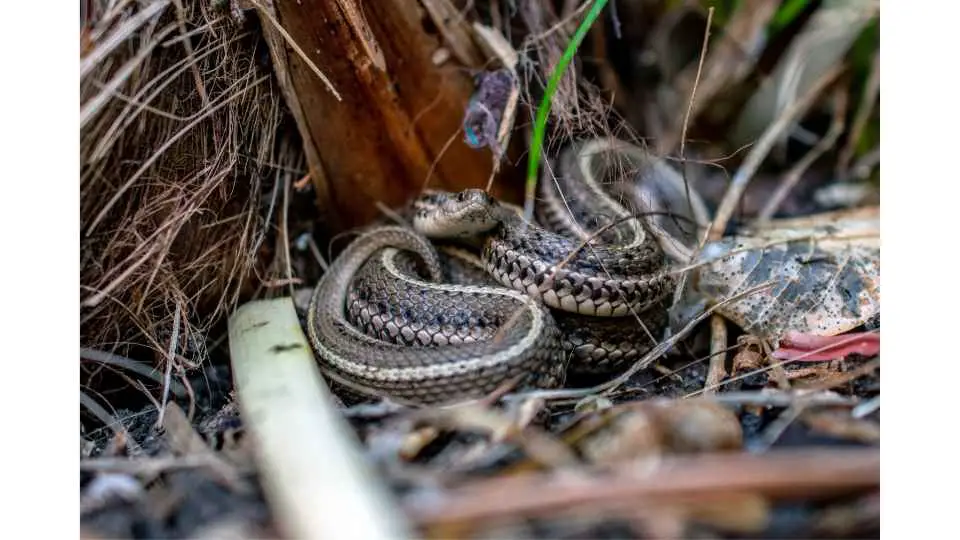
793	176
816	472
718	356
871	93
760	150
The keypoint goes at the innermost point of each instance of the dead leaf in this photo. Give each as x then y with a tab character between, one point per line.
824	270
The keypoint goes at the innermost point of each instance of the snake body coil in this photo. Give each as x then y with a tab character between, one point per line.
383	322
459	368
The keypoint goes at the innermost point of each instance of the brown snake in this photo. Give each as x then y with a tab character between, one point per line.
395	318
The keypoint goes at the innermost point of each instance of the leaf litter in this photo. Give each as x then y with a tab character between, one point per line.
658	456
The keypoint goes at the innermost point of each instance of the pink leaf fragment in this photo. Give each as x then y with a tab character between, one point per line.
802	347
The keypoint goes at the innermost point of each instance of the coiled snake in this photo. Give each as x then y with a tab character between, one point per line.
395	317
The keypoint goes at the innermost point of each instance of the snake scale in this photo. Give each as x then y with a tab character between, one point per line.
586	288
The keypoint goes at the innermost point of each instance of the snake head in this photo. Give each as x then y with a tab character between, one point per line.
456	215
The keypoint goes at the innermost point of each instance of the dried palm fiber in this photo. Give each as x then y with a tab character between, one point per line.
178	136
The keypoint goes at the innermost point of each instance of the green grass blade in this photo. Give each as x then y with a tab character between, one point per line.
543	112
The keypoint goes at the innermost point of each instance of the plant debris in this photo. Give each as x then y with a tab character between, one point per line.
826	266
204	155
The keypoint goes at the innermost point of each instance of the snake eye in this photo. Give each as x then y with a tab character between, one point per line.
461	196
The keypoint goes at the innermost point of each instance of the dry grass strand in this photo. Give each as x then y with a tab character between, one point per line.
179	123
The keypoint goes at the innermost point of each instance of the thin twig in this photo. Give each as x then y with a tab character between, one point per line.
866	408
779	425
653	354
315	250
693	92
191	57
110	422
781	398
780	364
139	368
763	146
727	64
284	218
781	474
146	466
843	378
118	36
90	107
436	160
143	388
793	176
686	116
171	352
268	215
718	357
871	93
812	238
670	373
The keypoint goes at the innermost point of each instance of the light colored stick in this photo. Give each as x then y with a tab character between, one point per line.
313	474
